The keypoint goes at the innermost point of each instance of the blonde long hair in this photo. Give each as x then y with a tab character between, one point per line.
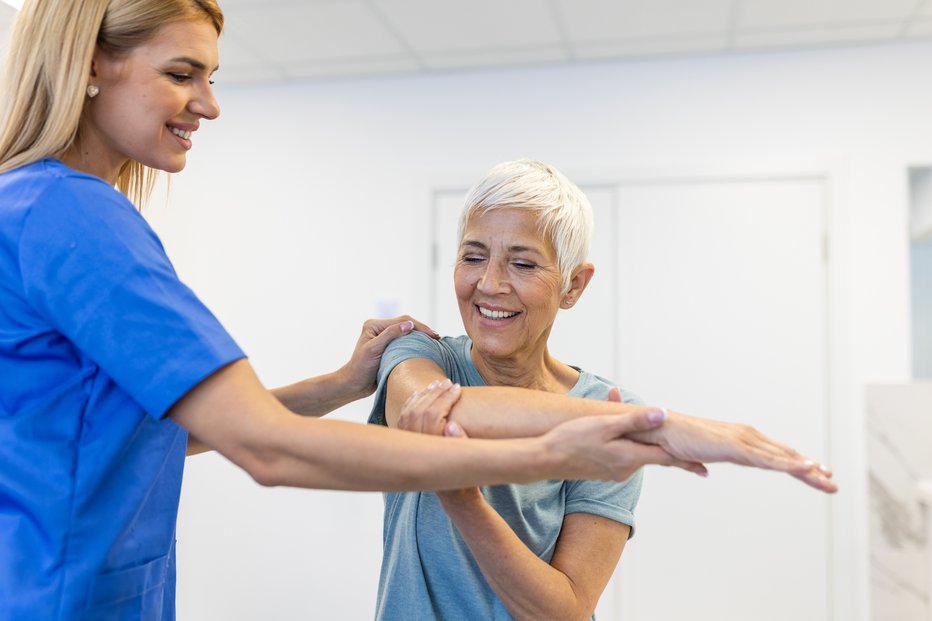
47	67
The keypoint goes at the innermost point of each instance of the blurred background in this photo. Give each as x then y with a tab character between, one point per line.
761	172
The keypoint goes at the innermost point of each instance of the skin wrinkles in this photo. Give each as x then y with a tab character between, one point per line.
505	264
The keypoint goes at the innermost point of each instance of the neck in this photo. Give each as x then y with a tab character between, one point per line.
81	156
537	372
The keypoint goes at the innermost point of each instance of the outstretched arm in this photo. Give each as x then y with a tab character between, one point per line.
318	396
504	412
231	412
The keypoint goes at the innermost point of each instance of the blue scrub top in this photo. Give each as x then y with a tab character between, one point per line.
98	339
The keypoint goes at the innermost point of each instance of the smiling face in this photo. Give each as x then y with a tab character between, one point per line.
150	101
508	285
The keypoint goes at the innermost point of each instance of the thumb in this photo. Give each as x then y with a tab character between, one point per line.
642	419
454	430
389	334
614	395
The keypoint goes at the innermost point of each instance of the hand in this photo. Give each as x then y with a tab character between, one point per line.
696	439
598	447
360	372
695	467
428	411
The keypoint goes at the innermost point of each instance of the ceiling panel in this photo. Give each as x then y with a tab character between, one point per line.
498	58
443	26
374	66
606	20
766	14
919	29
268	41
312	31
816	36
629	48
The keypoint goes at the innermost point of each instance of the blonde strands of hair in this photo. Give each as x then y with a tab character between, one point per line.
47	67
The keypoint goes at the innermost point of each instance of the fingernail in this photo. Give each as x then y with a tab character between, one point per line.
407	326
656	416
445	384
456	388
433	385
704	474
454	430
825	469
809	463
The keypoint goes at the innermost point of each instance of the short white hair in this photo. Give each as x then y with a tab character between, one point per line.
563	211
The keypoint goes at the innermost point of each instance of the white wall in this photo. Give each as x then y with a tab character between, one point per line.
304	209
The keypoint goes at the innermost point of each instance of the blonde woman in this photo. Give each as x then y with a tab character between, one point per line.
107	360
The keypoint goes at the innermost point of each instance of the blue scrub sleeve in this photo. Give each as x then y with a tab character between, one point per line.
95	270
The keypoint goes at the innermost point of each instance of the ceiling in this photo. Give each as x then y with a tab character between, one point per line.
297	40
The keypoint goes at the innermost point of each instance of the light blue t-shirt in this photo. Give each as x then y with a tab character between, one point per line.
98	339
428	571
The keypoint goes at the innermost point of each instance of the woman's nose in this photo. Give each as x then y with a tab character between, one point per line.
206	105
494	279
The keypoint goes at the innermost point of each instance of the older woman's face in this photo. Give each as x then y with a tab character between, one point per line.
507	283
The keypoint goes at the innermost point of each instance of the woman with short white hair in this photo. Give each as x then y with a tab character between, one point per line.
543	550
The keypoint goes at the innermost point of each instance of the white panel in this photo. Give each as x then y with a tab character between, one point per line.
430	26
919	29
312	31
601	20
722	311
370	66
496	58
445	314
817	36
650	47
582	336
782	13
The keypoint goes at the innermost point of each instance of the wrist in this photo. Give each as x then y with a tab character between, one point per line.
350	385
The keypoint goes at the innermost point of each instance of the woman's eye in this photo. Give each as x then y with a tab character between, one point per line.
179	77
470	259
524	266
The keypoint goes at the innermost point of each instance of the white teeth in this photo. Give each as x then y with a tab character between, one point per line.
180	132
492	314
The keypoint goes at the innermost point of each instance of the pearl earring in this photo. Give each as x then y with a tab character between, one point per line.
92	90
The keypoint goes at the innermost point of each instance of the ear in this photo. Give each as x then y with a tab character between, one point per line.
578	283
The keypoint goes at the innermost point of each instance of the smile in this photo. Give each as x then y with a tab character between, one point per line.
180	132
493	314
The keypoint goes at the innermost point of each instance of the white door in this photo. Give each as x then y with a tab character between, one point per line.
708	298
722	314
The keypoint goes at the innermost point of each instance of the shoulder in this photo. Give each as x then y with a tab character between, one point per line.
592	386
419	345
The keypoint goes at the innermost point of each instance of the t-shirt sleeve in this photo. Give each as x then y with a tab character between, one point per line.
412	345
615	501
95	270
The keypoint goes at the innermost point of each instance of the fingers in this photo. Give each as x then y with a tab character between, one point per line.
426	411
614	395
641	419
375	327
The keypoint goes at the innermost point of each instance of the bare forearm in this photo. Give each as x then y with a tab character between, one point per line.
529	587
320	395
504	412
315	453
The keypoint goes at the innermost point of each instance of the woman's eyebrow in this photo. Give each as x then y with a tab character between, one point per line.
193	62
470	243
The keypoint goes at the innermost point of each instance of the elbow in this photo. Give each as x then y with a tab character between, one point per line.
264	466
